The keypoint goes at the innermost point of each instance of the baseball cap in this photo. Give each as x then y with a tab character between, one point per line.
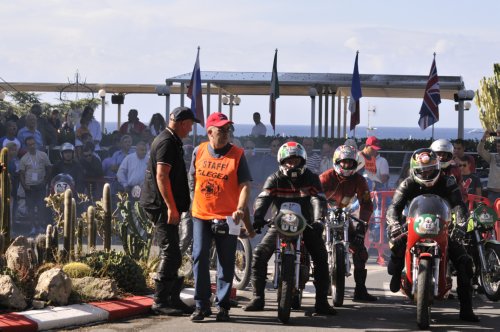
217	119
373	142
183	113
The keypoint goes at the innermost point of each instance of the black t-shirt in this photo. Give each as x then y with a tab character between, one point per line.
166	149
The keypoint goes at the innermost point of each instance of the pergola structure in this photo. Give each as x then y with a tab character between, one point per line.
323	87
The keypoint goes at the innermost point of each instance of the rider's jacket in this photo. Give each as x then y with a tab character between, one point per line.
279	188
342	191
446	187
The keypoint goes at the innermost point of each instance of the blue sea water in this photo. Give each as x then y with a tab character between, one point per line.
380	132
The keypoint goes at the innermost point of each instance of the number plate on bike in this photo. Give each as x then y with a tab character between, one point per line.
427	224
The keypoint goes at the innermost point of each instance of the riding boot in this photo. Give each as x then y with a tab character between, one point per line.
360	292
161	304
465	298
175	300
322	307
395	268
257	302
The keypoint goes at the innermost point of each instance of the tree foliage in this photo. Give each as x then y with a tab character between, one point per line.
488	100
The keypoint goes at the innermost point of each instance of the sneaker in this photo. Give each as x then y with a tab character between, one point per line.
199	314
160	309
222	315
256	304
325	309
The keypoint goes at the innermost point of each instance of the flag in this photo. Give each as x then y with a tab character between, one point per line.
194	91
275	91
429	112
356	95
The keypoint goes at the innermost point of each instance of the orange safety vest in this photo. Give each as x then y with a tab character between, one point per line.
370	164
217	190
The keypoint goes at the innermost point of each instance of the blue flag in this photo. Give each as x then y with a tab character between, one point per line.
194	91
429	112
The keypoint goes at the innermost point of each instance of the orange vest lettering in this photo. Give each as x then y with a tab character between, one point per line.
217	190
370	164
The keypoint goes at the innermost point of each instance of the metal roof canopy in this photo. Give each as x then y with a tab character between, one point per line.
320	84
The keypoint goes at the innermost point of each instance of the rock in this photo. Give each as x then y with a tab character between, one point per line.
10	296
91	288
18	255
53	285
36	304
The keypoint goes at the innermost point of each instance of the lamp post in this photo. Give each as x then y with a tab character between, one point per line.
102	94
370	110
232	100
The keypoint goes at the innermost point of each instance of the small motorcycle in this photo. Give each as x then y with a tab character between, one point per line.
426	274
337	247
482	245
291	262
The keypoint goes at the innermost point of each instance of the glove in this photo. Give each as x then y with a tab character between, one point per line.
258	223
318	227
395	230
458	234
360	229
358	240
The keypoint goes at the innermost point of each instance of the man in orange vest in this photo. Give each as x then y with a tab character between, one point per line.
221	191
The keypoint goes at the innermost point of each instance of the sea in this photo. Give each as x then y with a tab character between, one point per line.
361	131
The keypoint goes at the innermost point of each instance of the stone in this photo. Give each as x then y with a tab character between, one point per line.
18	255
10	296
94	289
37	304
53	286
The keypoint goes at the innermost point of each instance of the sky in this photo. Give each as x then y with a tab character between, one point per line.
147	41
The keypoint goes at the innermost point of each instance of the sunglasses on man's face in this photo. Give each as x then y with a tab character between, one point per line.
462	165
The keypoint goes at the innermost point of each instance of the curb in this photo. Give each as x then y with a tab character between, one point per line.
51	318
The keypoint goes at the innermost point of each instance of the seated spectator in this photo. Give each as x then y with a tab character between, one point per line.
132	169
30	130
133	126
92	171
34	174
459	152
269	162
110	168
115	143
92	126
157	124
10	135
66	133
48	133
493	159
54	119
69	165
10	115
313	158
470	181
326	157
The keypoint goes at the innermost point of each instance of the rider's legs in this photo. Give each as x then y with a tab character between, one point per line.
261	256
396	264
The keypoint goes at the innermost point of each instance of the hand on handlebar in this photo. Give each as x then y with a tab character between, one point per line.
318	226
395	230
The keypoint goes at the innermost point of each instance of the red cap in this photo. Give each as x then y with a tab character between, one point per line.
373	142
217	119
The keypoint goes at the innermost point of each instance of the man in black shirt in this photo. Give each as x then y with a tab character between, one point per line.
165	171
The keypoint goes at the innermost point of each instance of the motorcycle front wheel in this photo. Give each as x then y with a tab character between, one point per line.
286	288
337	275
424	293
490	279
243	262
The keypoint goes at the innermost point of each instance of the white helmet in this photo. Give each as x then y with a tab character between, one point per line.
444	151
67	147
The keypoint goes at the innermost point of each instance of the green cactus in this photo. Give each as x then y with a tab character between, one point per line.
488	100
91	227
50	247
66	253
41	248
106	197
74	226
77	270
5	199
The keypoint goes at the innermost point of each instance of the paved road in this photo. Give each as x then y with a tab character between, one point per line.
393	312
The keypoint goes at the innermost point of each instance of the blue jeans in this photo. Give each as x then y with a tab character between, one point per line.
226	251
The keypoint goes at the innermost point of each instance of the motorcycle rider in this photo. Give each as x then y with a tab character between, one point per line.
341	184
293	182
426	178
69	165
444	152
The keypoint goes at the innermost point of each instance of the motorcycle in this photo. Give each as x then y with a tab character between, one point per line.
426	276
291	261
61	182
482	245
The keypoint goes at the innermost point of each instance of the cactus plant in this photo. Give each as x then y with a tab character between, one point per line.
106	197
73	229
488	100
5	200
77	270
91	227
68	196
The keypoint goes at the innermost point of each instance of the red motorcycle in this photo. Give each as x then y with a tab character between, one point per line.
426	276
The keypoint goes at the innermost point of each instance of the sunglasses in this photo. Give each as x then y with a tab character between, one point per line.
224	130
462	165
